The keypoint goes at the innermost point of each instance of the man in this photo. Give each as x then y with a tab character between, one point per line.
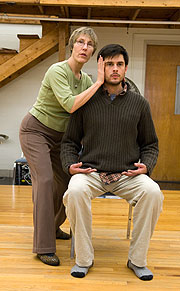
120	149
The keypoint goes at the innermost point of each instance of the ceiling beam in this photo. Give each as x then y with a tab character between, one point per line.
89	13
134	16
175	16
19	21
62	41
111	3
67	11
63	12
95	3
21	2
41	9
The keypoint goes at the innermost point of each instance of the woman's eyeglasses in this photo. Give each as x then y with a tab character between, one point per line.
82	43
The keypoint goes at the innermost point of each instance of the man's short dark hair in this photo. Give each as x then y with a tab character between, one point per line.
112	50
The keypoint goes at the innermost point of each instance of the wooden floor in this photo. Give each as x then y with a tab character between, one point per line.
21	270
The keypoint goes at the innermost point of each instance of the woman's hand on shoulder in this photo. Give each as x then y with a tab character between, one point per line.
100	77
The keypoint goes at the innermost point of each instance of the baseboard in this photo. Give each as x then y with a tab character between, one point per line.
6	173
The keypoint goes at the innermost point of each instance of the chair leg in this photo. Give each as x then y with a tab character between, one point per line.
72	245
129	221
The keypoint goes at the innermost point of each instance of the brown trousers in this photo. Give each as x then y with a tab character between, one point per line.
41	147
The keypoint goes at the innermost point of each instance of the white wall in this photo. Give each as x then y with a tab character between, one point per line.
17	97
8	34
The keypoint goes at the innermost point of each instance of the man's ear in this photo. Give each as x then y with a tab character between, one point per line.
126	69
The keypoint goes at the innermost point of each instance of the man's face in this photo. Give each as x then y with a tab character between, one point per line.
115	70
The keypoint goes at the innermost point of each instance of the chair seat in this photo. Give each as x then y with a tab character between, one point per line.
21	160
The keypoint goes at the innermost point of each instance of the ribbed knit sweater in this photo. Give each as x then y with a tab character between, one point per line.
115	134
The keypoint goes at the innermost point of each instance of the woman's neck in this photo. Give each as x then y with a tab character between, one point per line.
75	67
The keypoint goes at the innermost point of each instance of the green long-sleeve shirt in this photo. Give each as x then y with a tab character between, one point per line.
57	94
115	134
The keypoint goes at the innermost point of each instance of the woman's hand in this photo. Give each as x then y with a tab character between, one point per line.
76	169
100	77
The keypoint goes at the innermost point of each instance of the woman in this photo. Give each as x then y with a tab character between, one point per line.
64	89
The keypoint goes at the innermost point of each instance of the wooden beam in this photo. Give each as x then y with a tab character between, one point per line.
110	3
67	11
41	9
8	19
32	2
48	26
89	13
175	16
20	21
27	15
95	3
63	12
62	41
134	16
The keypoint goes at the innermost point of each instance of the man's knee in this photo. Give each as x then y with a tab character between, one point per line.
153	193
76	193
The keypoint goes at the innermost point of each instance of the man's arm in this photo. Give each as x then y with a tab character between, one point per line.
71	146
147	140
71	142
148	145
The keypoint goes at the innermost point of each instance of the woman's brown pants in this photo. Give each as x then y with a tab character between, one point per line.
41	147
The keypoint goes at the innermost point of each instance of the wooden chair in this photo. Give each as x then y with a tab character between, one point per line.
127	234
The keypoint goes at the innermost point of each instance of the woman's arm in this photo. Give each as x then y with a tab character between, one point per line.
60	85
83	97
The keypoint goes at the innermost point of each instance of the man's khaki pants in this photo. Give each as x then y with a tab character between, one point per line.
140	191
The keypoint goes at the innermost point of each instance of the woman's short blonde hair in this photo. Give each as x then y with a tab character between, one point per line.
83	30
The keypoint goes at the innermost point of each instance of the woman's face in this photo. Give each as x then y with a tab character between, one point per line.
83	49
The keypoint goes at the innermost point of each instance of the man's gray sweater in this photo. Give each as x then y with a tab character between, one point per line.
115	134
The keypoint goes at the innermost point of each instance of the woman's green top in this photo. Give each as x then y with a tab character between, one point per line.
57	95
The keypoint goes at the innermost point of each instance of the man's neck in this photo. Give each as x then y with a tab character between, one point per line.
114	89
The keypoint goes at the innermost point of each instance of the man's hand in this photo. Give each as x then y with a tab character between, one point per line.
76	168
141	169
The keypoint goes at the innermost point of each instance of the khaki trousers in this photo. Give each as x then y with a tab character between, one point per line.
41	147
140	191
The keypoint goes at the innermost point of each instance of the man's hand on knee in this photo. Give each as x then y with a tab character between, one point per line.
141	169
76	169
